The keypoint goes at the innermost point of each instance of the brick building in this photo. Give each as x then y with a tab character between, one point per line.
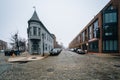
3	45
56	45
101	34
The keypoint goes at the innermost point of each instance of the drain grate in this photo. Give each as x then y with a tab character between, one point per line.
33	57
117	65
50	70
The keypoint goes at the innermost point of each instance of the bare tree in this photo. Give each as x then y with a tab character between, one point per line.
22	44
18	43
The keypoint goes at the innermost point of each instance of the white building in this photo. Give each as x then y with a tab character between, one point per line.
40	39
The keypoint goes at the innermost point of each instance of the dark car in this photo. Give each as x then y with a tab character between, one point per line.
80	51
55	51
11	52
7	53
75	50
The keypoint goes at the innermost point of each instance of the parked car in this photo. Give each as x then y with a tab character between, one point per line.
80	51
8	53
72	49
75	49
55	51
2	51
11	52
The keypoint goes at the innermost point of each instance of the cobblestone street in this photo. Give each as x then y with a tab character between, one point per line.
66	66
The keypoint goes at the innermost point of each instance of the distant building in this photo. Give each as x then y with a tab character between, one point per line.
3	45
101	34
56	45
40	39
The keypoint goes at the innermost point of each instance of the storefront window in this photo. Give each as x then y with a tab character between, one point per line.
93	46
110	45
115	45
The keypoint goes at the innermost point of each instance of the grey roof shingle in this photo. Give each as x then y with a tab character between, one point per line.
35	17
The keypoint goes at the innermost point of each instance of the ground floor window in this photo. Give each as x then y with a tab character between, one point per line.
84	47
110	46
93	46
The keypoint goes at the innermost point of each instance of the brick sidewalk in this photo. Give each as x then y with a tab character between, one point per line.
25	56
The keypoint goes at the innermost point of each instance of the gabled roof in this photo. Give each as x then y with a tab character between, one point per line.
35	17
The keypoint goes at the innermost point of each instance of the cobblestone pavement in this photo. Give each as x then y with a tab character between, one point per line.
66	66
4	65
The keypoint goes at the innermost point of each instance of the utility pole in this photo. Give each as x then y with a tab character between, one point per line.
43	43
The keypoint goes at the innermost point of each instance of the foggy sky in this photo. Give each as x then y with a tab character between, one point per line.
64	18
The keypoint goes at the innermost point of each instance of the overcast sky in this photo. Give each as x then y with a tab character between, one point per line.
64	18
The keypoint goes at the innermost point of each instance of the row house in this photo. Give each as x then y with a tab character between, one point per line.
101	34
56	45
3	45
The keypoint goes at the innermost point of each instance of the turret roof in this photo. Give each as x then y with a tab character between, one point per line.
35	17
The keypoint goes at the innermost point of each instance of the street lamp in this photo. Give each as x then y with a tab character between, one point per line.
16	41
87	47
43	43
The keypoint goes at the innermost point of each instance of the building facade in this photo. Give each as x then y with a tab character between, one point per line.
101	34
3	45
56	45
40	39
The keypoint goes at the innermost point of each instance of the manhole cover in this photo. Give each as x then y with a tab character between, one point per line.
117	65
50	70
33	57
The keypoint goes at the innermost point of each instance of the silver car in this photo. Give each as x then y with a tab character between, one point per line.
55	51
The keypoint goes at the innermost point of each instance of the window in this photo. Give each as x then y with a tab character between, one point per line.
39	31
110	17
115	45
78	39
110	45
110	7
34	31
110	31
30	31
45	36
93	46
107	45
90	32
46	47
83	36
95	28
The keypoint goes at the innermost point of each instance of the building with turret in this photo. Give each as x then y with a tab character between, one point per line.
40	40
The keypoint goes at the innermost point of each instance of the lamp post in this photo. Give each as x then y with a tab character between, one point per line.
16	41
87	47
43	43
